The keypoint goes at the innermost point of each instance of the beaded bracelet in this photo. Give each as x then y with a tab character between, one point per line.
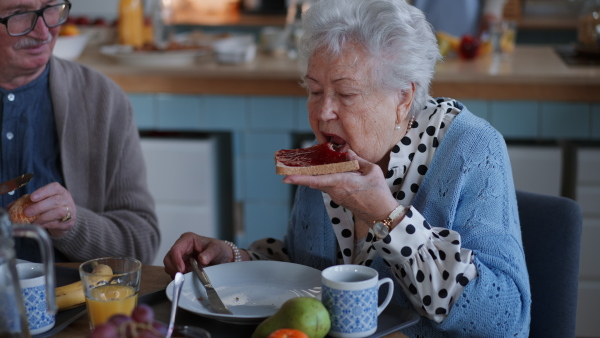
237	257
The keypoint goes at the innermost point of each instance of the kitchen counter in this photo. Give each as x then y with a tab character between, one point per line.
531	73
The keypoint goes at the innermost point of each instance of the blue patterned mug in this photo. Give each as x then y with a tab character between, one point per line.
33	287
350	295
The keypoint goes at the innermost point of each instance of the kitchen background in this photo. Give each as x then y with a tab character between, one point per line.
221	158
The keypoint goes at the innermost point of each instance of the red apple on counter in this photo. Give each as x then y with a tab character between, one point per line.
469	47
101	22
82	21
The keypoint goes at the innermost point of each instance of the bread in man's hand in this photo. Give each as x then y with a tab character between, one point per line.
16	211
320	159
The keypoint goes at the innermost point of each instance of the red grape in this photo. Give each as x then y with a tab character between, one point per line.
146	333
143	314
118	320
104	331
140	324
160	328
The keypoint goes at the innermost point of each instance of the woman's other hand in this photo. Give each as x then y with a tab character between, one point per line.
364	192
208	251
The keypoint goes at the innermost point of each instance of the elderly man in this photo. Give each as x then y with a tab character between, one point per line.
74	130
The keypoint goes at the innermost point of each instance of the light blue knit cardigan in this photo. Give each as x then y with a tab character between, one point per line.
468	188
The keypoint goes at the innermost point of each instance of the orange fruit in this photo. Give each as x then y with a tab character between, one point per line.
68	29
16	211
287	333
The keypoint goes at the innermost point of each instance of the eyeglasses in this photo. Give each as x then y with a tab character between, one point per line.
23	23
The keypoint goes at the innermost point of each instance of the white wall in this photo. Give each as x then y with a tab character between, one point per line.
94	9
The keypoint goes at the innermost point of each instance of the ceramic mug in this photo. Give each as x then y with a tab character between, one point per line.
350	294
33	287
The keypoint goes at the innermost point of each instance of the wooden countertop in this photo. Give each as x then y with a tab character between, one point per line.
532	73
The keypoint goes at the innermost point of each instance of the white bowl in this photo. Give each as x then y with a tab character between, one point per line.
235	49
70	47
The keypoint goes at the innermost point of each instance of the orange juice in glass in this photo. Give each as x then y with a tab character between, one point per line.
111	287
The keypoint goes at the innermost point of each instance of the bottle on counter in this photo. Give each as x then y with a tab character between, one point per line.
162	12
293	26
131	23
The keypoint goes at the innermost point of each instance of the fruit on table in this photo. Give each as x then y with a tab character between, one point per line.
140	324
447	42
72	294
288	333
306	314
68	29
83	21
469	47
101	22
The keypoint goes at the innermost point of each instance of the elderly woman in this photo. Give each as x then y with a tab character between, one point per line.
433	204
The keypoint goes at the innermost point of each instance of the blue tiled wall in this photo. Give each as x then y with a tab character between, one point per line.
515	119
261	125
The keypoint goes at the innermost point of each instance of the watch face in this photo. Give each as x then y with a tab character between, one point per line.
381	230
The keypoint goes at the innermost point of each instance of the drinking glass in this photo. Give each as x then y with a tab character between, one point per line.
110	294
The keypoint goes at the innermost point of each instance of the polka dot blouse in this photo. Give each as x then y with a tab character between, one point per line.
427	261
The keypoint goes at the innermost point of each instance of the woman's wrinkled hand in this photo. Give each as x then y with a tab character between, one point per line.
54	207
208	251
364	192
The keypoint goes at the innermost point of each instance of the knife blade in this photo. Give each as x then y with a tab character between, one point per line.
15	183
213	297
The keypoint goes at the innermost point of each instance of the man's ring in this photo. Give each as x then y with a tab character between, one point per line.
67	216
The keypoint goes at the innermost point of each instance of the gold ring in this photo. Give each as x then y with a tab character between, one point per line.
67	216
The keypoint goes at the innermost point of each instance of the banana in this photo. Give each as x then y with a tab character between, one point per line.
70	295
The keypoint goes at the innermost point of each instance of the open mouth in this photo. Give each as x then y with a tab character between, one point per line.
337	142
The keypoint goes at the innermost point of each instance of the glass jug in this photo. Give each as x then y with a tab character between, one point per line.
13	318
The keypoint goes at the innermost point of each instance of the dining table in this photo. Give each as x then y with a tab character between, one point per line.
154	281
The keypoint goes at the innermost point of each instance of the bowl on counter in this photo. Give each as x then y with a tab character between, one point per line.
70	47
235	49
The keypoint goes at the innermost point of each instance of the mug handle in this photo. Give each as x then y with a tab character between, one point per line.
47	252
388	298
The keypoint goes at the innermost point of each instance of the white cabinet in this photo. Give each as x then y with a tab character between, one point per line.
536	168
182	180
588	196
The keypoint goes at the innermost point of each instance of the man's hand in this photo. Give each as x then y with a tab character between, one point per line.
54	208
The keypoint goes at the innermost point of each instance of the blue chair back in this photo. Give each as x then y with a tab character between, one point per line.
551	230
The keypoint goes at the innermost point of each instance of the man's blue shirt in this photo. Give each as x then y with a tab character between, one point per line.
29	144
28	137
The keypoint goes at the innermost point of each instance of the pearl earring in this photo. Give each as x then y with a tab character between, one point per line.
397	127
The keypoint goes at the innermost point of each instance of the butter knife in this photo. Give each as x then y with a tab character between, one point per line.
15	183
213	298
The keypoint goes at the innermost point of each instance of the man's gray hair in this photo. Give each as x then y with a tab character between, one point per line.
394	33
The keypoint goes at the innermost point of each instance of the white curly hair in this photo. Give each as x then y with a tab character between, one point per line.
395	34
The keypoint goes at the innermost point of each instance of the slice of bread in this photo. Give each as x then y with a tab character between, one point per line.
320	159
